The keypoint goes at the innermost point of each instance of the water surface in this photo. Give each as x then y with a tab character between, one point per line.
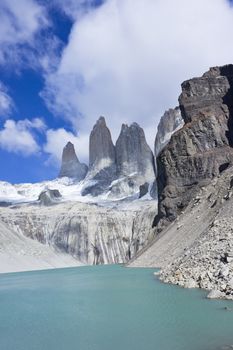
107	308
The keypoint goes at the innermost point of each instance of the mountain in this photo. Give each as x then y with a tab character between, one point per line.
134	161
120	170
101	148
202	148
102	164
71	167
193	244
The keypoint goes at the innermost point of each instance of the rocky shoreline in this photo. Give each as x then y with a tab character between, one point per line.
208	264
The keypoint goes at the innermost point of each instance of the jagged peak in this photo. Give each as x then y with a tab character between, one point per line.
101	122
71	166
69	153
131	127
100	144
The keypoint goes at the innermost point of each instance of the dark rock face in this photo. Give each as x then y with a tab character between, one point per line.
71	167
101	148
170	122
49	197
202	148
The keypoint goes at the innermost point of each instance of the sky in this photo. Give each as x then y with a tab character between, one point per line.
65	63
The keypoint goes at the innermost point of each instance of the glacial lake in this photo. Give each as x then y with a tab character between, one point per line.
107	308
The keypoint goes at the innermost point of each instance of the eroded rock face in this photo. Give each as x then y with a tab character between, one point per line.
134	159
202	148
101	148
91	234
102	164
170	122
71	166
133	155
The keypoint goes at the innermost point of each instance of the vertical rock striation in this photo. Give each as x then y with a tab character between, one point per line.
71	167
202	149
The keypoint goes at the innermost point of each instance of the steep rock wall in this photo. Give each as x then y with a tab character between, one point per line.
202	149
91	234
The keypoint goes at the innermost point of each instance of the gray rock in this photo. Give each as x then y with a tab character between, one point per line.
201	150
134	161
133	155
49	197
102	164
71	167
216	294
143	189
101	148
121	170
170	122
190	284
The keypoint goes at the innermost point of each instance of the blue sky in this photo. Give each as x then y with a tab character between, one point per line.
62	64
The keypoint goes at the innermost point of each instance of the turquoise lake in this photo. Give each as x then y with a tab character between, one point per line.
107	308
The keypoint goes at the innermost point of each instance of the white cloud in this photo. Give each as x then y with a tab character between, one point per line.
18	137
74	8
127	59
6	102
21	23
57	139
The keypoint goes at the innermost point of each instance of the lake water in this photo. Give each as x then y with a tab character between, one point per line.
107	308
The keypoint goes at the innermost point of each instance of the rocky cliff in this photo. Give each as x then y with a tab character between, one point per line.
101	148
91	234
102	163
71	167
134	162
170	122
202	148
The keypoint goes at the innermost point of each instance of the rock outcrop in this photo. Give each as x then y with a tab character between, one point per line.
202	148
169	123
71	166
49	197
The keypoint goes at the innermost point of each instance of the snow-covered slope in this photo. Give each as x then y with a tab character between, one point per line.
69	189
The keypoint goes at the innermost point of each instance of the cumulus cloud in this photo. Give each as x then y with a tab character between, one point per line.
126	60
24	40
18	137
57	139
6	102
